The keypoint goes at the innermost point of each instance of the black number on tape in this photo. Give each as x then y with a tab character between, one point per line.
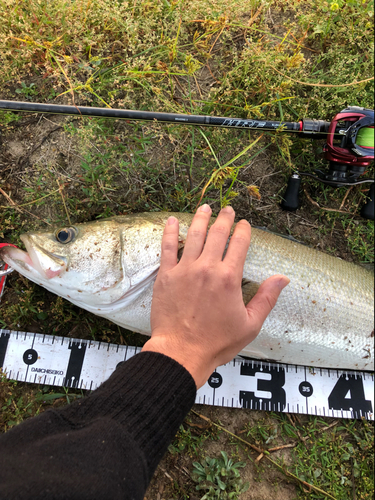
30	356
4	339
306	389
352	386
277	402
215	380
73	372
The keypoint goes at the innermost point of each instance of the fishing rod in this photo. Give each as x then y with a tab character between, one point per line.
353	128
304	127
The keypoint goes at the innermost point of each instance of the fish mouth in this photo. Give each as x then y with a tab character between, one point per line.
36	262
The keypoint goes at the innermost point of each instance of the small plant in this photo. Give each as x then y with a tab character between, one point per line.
220	478
27	91
8	117
191	441
19	401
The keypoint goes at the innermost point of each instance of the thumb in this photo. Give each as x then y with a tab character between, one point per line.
265	299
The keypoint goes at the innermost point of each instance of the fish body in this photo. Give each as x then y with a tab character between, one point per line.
323	318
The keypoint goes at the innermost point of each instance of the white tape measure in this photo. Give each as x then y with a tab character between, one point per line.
258	385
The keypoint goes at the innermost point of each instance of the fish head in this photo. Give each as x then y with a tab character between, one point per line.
78	262
100	266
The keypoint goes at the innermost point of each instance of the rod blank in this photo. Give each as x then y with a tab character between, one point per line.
126	114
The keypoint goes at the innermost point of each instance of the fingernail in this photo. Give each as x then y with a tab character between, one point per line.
227	210
205	208
171	220
283	282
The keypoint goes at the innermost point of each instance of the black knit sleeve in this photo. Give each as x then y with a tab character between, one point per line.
106	445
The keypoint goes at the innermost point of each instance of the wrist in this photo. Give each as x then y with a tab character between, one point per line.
191	360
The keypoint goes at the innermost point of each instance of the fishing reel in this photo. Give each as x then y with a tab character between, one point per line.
349	150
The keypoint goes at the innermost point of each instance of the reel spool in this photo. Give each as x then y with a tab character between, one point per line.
348	159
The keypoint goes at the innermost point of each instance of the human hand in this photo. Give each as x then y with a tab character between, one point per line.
198	316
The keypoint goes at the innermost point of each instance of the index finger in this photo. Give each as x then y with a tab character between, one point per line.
238	247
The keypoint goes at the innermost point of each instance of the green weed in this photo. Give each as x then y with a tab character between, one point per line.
8	117
219	477
27	91
190	439
20	401
338	459
263	433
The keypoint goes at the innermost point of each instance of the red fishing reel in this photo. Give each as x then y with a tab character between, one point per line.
349	150
354	146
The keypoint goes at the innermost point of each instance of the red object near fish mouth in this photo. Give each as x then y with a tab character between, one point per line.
5	268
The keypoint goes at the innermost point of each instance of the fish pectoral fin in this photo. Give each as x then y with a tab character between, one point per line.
132	293
139	284
249	289
252	352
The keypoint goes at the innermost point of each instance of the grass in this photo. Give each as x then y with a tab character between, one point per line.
338	459
281	60
19	401
321	458
191	437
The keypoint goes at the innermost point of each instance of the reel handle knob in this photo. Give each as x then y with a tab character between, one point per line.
291	196
367	211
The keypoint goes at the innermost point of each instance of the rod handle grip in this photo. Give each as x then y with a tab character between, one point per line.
290	200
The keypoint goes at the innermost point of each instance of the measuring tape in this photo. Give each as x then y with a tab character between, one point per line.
257	385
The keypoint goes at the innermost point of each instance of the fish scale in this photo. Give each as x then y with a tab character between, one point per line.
323	318
327	300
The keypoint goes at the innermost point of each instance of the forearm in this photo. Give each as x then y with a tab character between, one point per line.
109	442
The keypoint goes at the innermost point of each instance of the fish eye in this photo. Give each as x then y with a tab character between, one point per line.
66	235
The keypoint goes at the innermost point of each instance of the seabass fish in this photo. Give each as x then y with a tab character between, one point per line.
323	318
